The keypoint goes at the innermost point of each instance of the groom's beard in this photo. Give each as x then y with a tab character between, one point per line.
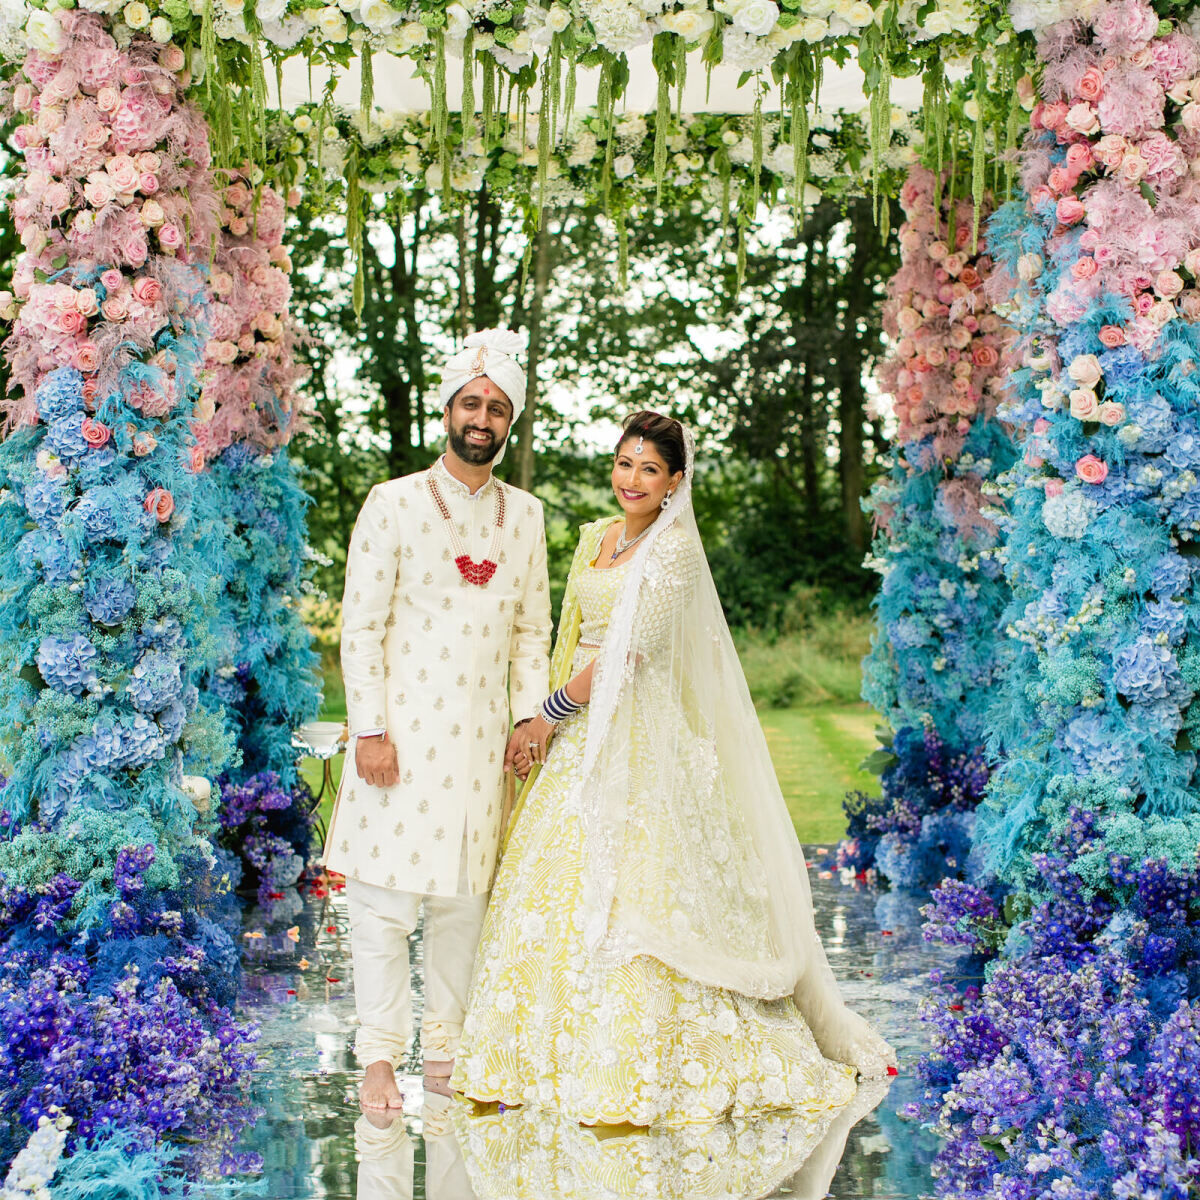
475	453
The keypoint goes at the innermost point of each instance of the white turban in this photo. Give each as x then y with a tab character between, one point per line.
488	352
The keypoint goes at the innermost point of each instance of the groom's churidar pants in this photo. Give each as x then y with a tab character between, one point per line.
381	920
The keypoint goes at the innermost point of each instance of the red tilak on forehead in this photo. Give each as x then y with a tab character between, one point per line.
487	391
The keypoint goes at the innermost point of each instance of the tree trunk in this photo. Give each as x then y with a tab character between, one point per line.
542	256
404	289
486	292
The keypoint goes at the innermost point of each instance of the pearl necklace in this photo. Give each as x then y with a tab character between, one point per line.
478	573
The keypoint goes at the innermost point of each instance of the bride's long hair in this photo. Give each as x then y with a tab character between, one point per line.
720	892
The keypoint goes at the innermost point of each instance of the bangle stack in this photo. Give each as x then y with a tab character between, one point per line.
558	706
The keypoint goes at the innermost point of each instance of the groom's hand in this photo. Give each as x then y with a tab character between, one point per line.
375	761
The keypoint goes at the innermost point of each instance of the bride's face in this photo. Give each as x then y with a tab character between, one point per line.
640	477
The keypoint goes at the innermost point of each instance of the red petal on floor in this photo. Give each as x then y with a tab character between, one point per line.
893	1071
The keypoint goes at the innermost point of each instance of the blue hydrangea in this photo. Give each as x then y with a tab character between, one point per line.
156	681
109	599
1145	672
45	498
1153	416
1172	575
171	721
65	437
1165	616
96	509
67	663
60	394
46	550
1183	450
1096	745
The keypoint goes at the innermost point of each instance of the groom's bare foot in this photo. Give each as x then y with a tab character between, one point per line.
379	1090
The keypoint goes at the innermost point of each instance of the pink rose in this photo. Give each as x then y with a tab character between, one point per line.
1085	370
1079	158
1143	302
95	433
1041	425
1111	413
194	460
57	197
135	248
1090	85
132	76
108	99
1133	167
159	503
1168	284
97	191
935	356
23	97
1190	115
1054	114
239	227
123	173
86	302
151	213
85	357
148	184
1084	405
1189	304
170	237
1084	268
148	162
143	444
1111	336
94	137
147	289
1091	469
89	391
112	279
1110	150
72	323
237	195
171	57
985	356
1070	211
1054	487
1082	118
116	307
293	198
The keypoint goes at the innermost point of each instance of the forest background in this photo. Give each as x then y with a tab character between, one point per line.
774	377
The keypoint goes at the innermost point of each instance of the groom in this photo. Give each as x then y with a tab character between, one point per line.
445	640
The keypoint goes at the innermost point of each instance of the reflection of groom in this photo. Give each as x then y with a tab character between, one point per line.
446	616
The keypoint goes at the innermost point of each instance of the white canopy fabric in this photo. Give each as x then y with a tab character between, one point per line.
399	89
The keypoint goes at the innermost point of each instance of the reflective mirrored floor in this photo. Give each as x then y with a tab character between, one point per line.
316	1145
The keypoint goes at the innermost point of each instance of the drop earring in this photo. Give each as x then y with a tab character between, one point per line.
665	500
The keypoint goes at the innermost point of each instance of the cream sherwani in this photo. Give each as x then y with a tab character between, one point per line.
442	665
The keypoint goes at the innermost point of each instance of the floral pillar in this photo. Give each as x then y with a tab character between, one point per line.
1075	1070
116	974
935	655
265	673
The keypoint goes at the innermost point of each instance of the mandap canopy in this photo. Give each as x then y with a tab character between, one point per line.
1038	650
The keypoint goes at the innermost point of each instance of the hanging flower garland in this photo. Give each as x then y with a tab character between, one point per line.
1074	1069
118	953
935	656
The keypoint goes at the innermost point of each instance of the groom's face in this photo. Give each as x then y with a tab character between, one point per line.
477	421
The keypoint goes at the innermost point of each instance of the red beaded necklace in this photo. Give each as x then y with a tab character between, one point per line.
477	573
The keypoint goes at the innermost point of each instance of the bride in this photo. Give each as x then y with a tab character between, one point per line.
649	955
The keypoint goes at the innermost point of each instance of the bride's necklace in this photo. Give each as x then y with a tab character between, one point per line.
478	573
623	545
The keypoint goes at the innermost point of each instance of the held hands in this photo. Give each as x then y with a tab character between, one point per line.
375	760
528	745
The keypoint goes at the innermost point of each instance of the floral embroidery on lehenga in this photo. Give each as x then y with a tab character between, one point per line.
551	1027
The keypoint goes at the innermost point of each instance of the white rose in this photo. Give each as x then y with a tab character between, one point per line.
757	17
458	21
689	24
137	15
378	15
160	30
558	19
860	14
813	29
938	24
522	43
270	10
332	23
303	123
623	166
412	35
43	32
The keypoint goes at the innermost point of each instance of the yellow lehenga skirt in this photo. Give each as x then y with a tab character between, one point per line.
549	1027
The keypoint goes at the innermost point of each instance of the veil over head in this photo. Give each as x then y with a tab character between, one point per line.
715	886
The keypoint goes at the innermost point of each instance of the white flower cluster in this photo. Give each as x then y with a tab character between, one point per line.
1068	514
34	1166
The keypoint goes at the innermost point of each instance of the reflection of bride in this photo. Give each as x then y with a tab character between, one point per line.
649	955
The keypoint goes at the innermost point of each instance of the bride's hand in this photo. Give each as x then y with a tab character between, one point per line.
533	742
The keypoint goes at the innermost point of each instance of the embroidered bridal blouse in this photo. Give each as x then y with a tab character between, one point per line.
441	664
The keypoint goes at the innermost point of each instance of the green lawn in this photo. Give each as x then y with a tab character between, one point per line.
816	751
